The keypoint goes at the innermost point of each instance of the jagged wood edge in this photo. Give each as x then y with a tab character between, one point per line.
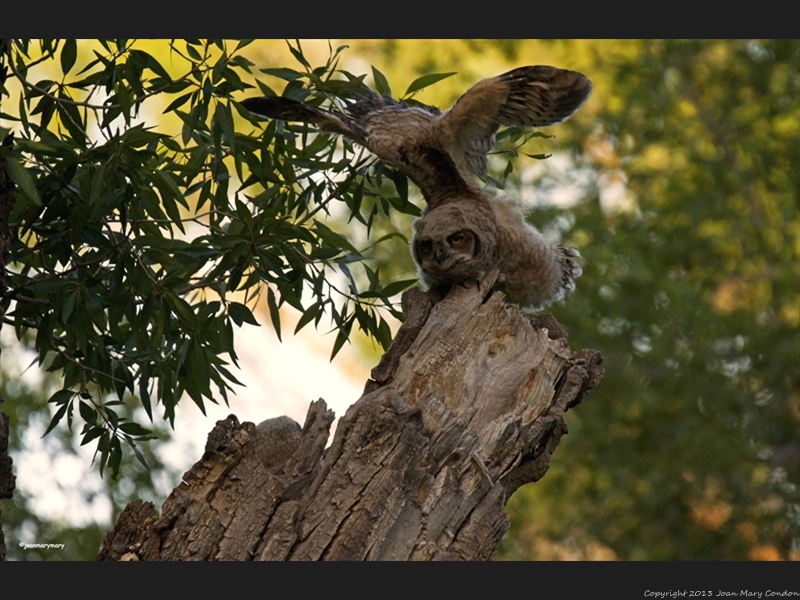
232	508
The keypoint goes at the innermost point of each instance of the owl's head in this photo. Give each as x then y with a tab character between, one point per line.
455	243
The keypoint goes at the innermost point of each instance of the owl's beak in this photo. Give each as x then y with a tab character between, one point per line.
440	254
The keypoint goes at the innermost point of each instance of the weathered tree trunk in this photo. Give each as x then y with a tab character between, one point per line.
7	479
8	197
466	406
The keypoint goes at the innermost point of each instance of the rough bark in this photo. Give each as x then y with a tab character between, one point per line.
7	199
466	405
7	480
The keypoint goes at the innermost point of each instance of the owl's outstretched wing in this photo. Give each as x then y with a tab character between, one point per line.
403	136
439	151
534	96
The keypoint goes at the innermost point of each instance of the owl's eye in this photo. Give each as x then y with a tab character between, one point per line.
456	239
426	247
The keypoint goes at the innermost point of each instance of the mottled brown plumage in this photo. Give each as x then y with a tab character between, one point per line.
466	230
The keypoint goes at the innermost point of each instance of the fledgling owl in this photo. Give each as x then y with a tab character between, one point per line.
465	230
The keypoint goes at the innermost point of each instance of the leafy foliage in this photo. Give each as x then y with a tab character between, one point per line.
137	251
84	509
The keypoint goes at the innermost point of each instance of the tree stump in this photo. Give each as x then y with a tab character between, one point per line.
465	406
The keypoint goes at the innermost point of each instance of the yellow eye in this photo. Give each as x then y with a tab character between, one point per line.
456	239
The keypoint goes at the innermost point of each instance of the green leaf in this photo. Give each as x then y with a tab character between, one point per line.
140	457
298	54
283	73
134	429
102	448
309	315
184	311
190	50
20	176
241	314
93	433
167	179
61	397
87	413
384	334
57	417
274	313
381	84
154	65
178	102
226	340
222	115
68	55
32	145
73	122
342	336
397	286
114	457
69	306
144	392
331	237
425	81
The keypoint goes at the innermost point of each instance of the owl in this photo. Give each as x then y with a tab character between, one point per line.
461	242
466	230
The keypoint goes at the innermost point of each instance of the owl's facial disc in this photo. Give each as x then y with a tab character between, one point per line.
459	245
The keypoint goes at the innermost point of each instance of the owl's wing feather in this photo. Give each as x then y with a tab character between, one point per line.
540	96
534	96
397	133
402	135
286	109
367	103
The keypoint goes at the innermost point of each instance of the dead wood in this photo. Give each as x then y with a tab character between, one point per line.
466	406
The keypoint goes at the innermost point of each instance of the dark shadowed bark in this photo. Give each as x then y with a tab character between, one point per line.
7	199
466	406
